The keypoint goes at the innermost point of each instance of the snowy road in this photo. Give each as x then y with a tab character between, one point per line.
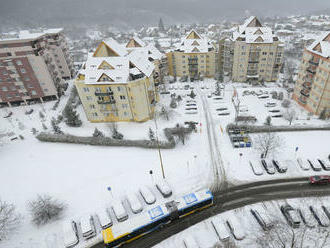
219	181
233	198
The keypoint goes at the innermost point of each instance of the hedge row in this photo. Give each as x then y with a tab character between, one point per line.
264	129
107	141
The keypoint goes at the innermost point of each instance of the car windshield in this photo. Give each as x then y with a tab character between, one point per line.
316	177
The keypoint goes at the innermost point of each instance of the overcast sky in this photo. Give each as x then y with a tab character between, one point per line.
149	11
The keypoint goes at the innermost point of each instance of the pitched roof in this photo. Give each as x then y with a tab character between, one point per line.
115	46
193	35
321	46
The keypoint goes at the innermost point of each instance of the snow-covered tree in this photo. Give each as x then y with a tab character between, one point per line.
97	133
268	121
9	219
151	134
71	116
41	115
166	113
114	131
323	114
286	103
55	127
267	143
289	115
192	94
173	103
45	208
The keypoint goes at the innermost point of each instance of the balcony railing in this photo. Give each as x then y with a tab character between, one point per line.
311	69
303	100
307	85
313	62
304	93
103	93
106	101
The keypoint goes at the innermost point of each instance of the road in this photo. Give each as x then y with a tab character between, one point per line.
225	198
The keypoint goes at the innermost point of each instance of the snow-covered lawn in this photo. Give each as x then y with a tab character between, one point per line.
80	174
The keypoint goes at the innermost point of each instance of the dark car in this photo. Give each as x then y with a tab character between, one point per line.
281	168
268	167
291	215
319	180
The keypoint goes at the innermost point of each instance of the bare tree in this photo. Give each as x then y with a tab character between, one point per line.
166	113
267	143
45	208
9	219
115	134
286	103
289	115
181	132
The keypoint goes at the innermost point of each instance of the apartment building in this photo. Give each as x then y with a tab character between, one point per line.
253	53
312	89
117	84
154	55
194	56
33	65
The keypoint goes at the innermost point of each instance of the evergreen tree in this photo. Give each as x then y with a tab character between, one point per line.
179	98
151	134
97	133
323	114
71	117
192	94
41	115
56	128
161	25
173	103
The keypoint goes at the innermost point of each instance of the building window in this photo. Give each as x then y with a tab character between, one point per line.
92	106
86	89
18	62
33	93
125	113
23	70
4	88
97	89
27	79
122	97
264	53
118	88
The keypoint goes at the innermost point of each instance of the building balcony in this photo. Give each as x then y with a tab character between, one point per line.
314	62
106	101
302	100
305	92
103	93
311	70
307	85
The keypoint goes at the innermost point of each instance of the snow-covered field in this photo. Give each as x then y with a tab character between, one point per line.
80	174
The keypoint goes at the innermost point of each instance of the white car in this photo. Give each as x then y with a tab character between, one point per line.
70	236
147	195
164	188
190	242
87	226
134	203
256	168
119	211
220	229
104	219
236	228
304	165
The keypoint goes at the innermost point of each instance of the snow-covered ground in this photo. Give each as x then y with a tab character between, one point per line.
80	174
205	235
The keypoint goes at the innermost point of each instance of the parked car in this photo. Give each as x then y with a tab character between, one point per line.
325	164
256	168
164	188
87	226
263	96
236	228
263	220
305	217
291	215
315	165
320	216
270	104
190	242
280	167
134	203
147	195
70	235
304	165
119	211
104	218
268	167
319	180
220	229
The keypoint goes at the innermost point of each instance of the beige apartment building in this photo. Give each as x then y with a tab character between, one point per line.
253	53
312	89
194	56
117	84
33	65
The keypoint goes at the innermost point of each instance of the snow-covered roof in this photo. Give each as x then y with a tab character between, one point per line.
137	40
29	34
321	46
139	58
194	43
252	31
115	46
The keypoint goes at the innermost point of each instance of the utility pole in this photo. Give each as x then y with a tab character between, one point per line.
159	153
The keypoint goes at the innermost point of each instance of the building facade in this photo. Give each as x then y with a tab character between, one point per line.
195	56
33	66
253	53
117	84
312	89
